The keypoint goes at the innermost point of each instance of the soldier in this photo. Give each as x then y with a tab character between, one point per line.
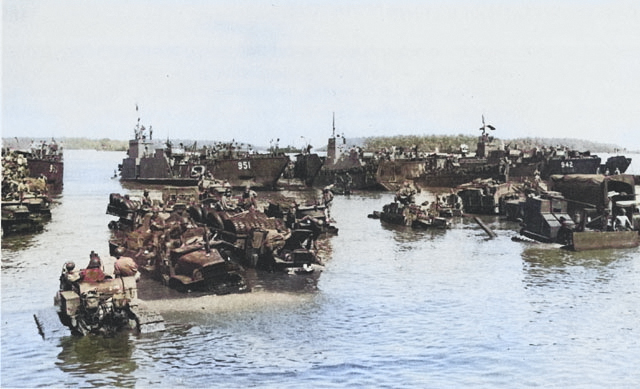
146	199
327	200
93	272
23	188
69	276
622	222
226	202
126	267
249	198
406	194
348	182
315	226
565	232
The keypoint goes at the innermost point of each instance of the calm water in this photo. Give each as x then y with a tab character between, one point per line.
394	308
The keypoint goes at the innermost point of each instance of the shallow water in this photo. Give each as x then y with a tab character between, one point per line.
393	308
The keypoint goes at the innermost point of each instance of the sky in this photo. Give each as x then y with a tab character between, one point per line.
255	71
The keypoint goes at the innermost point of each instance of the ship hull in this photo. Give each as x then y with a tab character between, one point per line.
150	164
361	178
260	172
571	166
392	174
52	169
307	167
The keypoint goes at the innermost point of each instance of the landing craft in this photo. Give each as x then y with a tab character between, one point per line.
344	167
585	212
149	162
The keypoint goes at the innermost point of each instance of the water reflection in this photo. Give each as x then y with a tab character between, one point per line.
404	234
394	308
15	243
97	360
548	265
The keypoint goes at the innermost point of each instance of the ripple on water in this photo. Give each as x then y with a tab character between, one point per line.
393	308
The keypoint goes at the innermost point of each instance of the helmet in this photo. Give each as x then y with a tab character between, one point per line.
70	266
622	211
94	262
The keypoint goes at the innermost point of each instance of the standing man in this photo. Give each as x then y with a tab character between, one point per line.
327	200
146	199
23	188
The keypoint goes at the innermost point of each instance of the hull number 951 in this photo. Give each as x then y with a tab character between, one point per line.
244	165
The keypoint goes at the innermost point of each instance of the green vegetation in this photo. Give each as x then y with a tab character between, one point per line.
428	143
96	144
450	144
70	143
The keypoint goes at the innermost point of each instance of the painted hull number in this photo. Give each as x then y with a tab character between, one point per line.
244	165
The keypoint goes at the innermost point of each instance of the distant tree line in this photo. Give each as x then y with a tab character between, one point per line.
103	144
451	144
425	143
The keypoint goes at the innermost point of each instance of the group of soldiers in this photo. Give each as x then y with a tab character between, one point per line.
95	271
406	196
44	149
16	183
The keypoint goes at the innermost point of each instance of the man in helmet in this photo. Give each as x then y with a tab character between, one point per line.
93	272
69	276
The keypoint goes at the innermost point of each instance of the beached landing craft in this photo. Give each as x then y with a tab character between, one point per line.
492	160
445	169
149	162
585	212
26	205
41	160
49	165
344	167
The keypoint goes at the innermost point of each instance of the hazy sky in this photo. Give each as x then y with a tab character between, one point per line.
259	70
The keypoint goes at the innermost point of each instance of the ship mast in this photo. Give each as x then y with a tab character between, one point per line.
334	125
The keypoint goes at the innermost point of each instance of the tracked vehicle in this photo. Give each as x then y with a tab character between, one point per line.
102	307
